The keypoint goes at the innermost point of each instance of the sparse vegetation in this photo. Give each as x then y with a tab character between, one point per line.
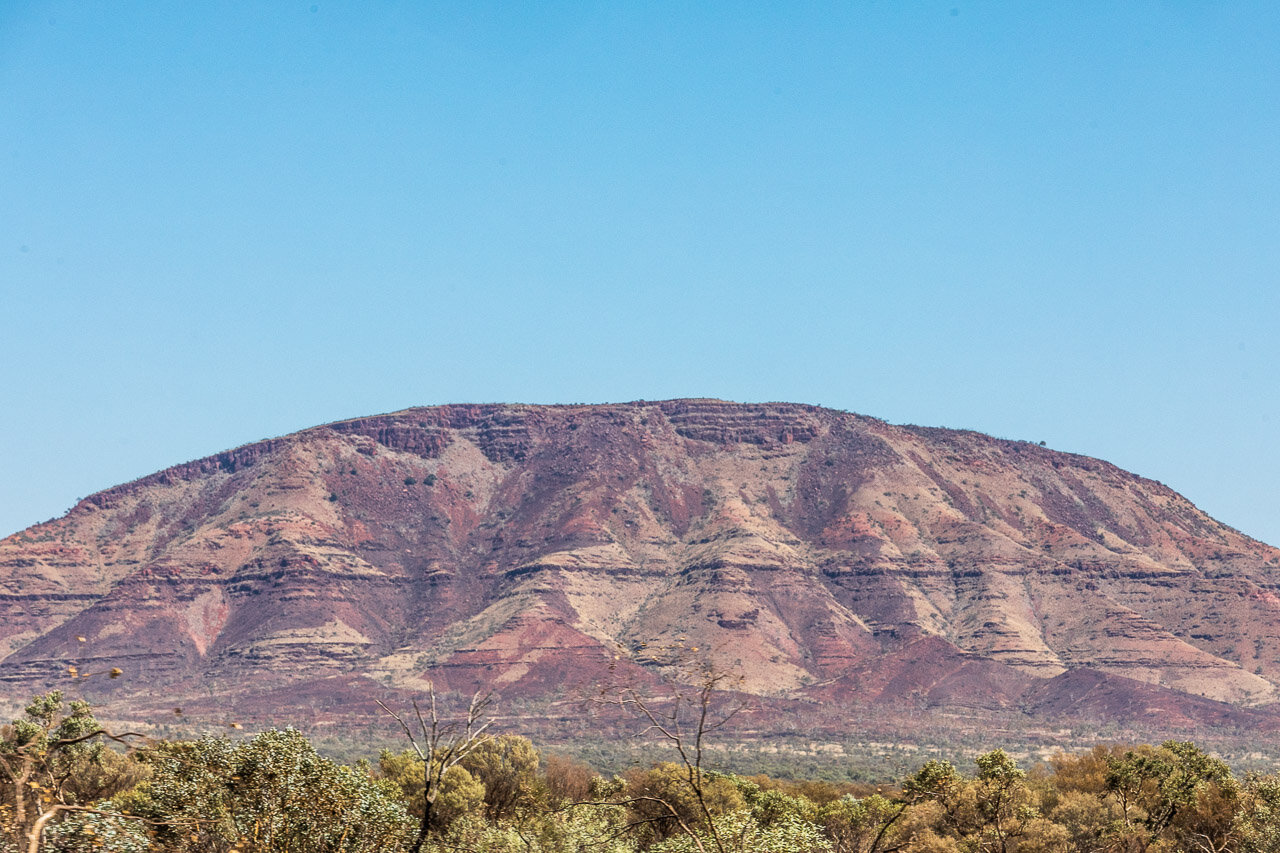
69	785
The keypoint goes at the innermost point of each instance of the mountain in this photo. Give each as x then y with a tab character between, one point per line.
831	560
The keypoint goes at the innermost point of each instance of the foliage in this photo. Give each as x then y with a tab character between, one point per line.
507	767
1002	801
739	832
104	829
567	780
459	793
1175	792
661	801
53	761
273	793
1257	821
574	830
862	825
269	793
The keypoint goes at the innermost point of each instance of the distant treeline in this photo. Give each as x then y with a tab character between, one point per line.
69	784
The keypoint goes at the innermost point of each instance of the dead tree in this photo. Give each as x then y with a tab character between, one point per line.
701	698
441	746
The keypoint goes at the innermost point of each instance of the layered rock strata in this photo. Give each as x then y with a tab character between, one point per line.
816	553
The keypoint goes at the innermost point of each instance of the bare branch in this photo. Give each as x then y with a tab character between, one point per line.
664	717
441	747
408	732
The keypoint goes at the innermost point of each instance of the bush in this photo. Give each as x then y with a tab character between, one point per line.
104	829
271	792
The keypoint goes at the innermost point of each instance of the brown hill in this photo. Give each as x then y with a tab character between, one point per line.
829	558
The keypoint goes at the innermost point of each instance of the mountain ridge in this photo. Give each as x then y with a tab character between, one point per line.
519	545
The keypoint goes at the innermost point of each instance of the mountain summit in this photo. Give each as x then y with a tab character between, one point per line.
825	557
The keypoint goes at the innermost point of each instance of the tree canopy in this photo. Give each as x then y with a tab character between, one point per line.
71	786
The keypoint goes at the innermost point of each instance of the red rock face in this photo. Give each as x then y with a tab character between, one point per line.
825	557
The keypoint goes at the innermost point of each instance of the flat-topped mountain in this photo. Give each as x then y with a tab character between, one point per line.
828	558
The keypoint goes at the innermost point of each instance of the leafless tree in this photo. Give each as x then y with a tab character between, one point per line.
700	699
441	745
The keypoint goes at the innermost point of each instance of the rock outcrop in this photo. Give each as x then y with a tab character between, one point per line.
822	555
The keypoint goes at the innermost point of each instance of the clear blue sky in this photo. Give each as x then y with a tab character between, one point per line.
1053	221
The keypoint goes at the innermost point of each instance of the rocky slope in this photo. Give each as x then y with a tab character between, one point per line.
827	557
